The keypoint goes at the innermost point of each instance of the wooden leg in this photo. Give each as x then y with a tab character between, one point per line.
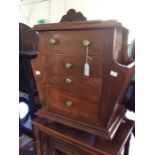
38	141
127	146
45	144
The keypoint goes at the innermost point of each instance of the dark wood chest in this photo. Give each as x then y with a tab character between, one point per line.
82	74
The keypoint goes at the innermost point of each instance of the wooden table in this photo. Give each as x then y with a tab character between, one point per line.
54	139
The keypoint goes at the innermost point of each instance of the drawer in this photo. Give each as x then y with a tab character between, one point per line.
56	66
70	42
82	87
62	147
69	105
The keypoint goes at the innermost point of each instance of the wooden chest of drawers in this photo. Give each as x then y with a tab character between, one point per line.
68	95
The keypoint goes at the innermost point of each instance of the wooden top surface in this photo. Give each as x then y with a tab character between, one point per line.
87	140
96	24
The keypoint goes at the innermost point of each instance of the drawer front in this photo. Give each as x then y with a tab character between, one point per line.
68	148
71	42
83	87
69	105
56	65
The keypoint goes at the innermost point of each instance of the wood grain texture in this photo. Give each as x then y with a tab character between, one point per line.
82	88
80	109
85	25
71	141
67	45
98	98
37	134
55	66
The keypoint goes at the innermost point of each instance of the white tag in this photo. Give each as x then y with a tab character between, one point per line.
86	69
37	72
113	73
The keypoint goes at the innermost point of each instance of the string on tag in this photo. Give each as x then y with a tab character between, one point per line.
87	54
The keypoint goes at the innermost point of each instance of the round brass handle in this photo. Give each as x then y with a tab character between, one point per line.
53	41
68	80
69	104
68	65
86	43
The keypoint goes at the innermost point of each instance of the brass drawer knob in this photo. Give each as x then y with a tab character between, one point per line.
68	80
53	41
86	43
68	65
69	104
